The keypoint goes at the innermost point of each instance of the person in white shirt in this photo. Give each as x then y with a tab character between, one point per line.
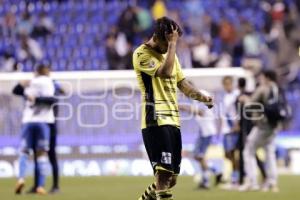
208	129
35	129
229	123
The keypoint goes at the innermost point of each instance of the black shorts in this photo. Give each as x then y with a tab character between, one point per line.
163	145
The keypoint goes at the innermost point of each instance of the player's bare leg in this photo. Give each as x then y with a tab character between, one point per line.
235	167
173	181
230	155
19	186
205	172
22	170
164	181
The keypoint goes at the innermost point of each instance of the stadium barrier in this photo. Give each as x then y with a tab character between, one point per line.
94	139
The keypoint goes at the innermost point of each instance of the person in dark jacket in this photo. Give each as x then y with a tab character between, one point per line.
245	126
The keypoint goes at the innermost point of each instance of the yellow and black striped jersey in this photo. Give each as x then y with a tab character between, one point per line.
159	95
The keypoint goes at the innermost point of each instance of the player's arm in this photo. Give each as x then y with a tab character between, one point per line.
255	97
192	92
20	88
19	91
191	109
49	101
59	89
47	98
166	69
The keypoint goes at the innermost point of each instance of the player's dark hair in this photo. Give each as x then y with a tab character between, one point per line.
270	74
230	78
40	68
164	26
242	82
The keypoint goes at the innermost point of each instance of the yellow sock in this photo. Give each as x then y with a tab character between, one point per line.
164	195
149	193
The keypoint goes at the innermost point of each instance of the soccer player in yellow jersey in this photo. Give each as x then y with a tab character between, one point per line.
159	75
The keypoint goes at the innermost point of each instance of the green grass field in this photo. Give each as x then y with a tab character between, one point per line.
129	188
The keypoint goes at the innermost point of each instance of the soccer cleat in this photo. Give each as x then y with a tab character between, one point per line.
41	191
265	187
203	186
54	191
274	189
31	191
229	186
219	180
19	187
248	187
269	188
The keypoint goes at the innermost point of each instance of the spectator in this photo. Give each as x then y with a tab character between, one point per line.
224	60
210	28
9	24
184	54
25	26
159	9
124	51
268	39
44	26
111	53
144	19
227	34
251	43
8	63
29	49
118	51
298	5
128	24
200	53
278	11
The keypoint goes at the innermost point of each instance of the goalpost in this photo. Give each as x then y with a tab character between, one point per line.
205	78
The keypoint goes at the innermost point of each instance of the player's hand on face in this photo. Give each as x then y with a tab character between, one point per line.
173	36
